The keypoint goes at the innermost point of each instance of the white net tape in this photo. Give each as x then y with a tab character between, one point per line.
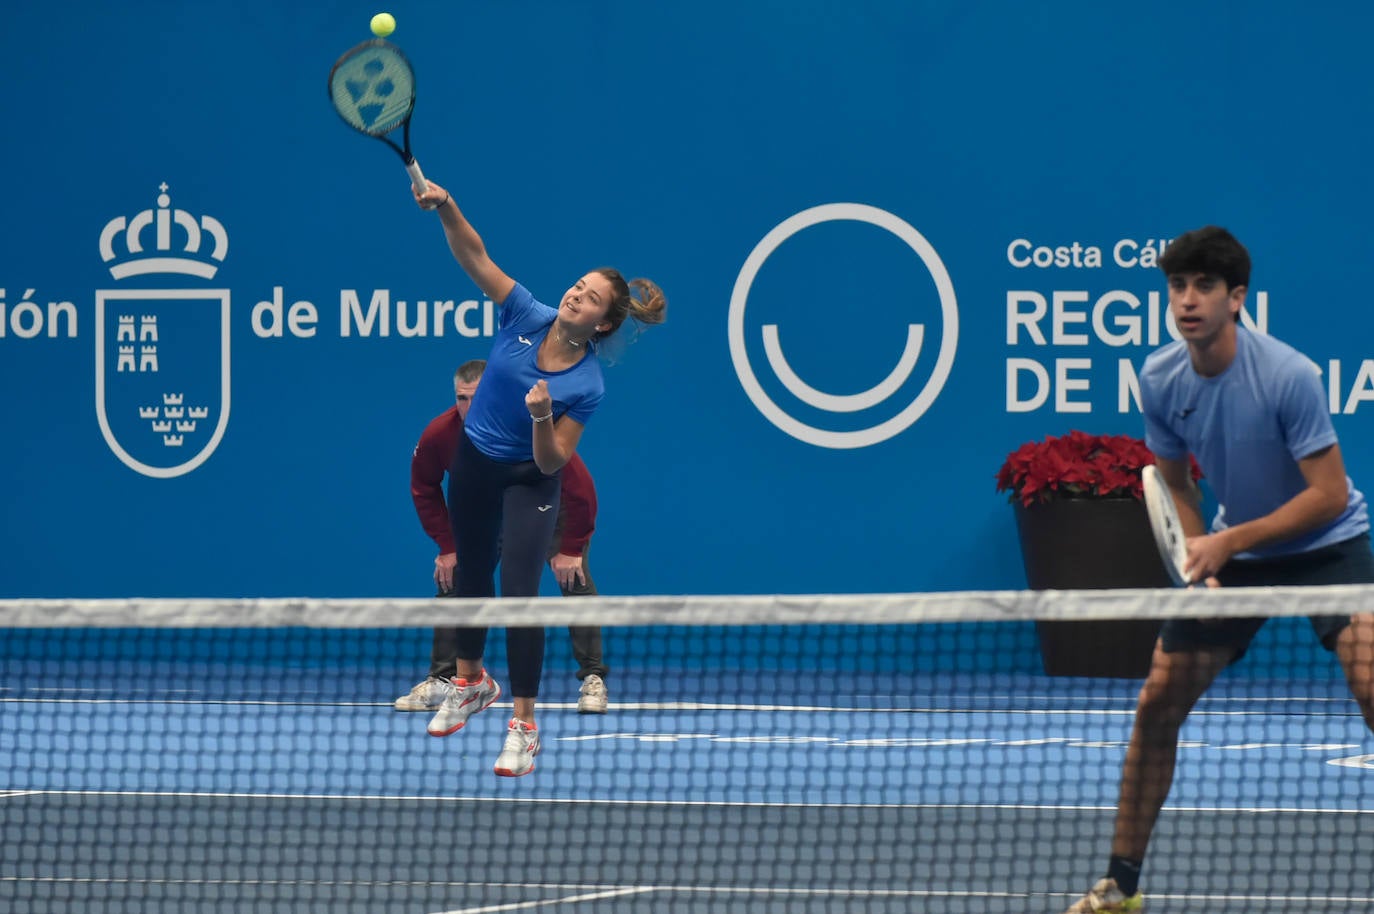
827	609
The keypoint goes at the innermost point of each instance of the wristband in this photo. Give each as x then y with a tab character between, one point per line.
543	418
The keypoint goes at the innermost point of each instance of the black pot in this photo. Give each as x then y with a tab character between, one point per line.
1092	544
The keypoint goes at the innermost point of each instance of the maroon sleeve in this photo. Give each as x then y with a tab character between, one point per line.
579	507
431	460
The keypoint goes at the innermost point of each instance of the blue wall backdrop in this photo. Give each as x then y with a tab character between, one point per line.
898	240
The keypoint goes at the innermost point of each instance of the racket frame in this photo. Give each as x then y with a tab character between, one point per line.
417	177
1165	524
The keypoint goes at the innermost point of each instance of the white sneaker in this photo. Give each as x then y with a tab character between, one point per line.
522	745
466	699
591	698
426	696
1106	898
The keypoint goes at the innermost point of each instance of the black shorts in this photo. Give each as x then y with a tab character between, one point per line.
1348	562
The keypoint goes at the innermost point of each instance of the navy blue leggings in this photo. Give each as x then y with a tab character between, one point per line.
502	512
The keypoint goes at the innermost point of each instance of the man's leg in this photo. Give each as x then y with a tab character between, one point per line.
586	647
591	695
429	693
443	651
586	639
1175	682
1355	648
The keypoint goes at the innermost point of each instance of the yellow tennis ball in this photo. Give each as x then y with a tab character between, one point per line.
383	24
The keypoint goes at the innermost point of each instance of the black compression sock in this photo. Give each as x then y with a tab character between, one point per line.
1126	872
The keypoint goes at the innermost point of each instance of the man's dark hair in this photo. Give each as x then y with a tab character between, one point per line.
1210	250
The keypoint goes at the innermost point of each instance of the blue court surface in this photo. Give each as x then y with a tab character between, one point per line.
272	781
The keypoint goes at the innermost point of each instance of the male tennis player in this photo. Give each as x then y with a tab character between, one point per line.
1252	410
568	553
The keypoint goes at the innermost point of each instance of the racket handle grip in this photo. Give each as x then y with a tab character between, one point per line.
417	177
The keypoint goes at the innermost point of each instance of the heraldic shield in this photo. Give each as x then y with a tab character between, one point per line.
162	376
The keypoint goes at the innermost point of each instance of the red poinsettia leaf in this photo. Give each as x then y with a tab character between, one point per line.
1118	481
1078	464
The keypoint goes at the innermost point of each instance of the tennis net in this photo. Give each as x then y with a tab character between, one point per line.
800	753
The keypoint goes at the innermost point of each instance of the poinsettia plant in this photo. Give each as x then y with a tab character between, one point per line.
1077	465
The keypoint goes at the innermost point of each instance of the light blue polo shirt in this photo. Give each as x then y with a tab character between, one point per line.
498	421
1247	427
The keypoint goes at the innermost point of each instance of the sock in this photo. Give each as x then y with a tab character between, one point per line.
1126	872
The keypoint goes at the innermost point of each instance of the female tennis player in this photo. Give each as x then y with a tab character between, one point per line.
542	384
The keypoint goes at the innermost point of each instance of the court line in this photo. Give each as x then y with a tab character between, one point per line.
359	798
611	891
903	893
693	706
546	902
76	693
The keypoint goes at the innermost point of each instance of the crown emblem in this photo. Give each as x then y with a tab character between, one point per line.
162	258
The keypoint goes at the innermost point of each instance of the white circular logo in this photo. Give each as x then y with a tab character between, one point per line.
842	212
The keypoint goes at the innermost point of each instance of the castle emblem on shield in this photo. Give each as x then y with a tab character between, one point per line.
162	354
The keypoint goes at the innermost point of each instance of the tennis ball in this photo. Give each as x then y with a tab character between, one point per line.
383	24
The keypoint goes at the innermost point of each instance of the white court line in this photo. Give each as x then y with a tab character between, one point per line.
1219	699
199	695
572	899
757	891
82	690
678	706
602	892
359	798
893	893
246	703
900	893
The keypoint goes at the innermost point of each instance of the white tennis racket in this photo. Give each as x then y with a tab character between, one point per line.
1168	530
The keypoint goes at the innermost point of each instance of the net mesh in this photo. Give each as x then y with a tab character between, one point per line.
874	753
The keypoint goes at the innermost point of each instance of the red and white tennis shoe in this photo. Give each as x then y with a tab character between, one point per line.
466	699
522	745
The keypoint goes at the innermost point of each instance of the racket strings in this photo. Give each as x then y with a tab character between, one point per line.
1168	528
373	89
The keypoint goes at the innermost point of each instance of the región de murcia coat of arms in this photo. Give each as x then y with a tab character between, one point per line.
162	354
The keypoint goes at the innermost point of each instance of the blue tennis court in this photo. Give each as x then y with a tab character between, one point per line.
192	775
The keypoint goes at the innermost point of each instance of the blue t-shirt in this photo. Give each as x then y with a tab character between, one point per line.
498	421
1248	427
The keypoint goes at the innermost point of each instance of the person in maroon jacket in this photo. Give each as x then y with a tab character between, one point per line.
567	559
